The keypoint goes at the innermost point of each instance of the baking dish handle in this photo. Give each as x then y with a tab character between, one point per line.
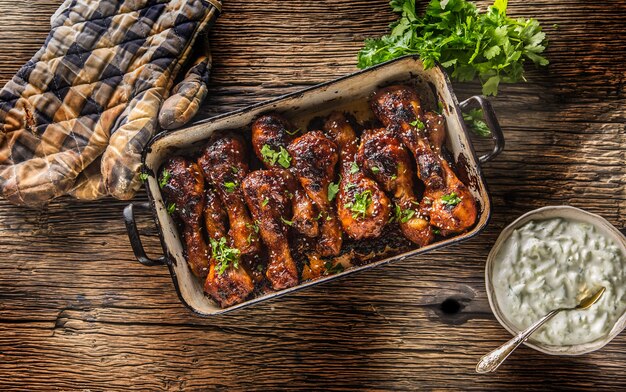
133	236
492	122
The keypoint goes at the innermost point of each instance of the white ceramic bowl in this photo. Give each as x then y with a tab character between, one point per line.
566	212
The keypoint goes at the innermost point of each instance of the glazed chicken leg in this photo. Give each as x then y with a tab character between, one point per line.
271	134
227	286
184	186
224	166
388	162
447	201
314	158
268	197
215	217
464	213
362	207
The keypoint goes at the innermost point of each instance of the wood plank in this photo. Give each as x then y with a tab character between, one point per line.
77	312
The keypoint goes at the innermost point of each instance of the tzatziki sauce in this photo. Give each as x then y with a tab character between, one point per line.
554	263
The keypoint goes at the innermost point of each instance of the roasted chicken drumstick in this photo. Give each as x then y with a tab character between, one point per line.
447	201
271	134
314	158
184	186
268	197
228	283
224	165
362	207
388	162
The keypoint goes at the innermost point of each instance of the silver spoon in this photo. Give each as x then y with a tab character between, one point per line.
490	362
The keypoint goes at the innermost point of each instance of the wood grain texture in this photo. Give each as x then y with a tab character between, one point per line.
77	312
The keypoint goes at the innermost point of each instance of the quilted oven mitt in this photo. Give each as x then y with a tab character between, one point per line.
75	118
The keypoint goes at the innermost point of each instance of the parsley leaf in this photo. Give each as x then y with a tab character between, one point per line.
419	124
407	215
333	269
224	255
291	133
143	176
489	46
375	169
402	216
165	178
360	204
475	122
171	207
333	189
354	168
287	222
271	156
451	200
254	230
230	186
264	202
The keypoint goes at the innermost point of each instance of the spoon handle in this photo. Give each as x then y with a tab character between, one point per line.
491	361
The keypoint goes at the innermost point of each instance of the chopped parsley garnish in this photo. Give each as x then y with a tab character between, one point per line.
407	215
333	269
418	123
354	168
451	200
400	215
394	177
224	255
489	46
255	230
349	186
287	222
165	178
436	231
360	204
475	122
171	207
230	186
235	169
333	189
143	176
264	202
375	169
253	226
319	216
291	133
271	156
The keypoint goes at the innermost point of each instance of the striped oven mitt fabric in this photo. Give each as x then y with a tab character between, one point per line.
75	118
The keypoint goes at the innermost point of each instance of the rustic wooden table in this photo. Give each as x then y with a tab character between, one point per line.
78	312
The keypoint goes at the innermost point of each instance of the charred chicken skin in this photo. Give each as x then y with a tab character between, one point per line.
362	207
223	162
271	134
447	201
314	158
184	186
227	285
388	162
268	198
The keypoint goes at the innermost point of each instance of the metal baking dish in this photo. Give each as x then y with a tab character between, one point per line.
349	93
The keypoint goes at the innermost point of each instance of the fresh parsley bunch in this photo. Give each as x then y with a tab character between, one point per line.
489	46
